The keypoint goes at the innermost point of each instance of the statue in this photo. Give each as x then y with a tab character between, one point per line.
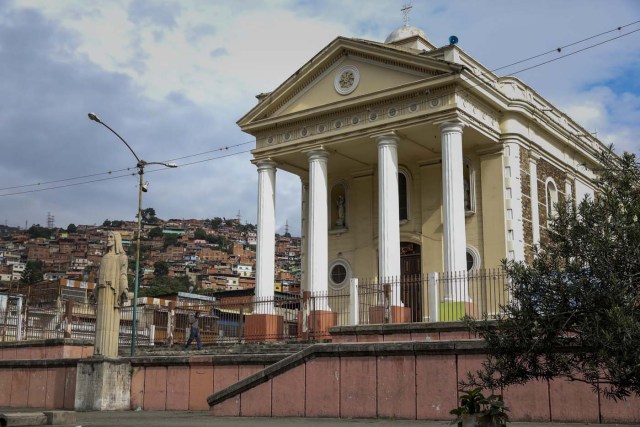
340	205
110	293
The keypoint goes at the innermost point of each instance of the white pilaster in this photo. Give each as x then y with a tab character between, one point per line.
533	186
266	241
455	240
318	244
513	201
388	214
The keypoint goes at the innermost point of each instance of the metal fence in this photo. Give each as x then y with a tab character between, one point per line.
431	298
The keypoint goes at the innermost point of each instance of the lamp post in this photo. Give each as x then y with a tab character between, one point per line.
140	165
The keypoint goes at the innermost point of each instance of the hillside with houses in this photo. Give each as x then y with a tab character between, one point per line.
202	256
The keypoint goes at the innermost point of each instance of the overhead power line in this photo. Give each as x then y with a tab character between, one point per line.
37	190
483	83
37	184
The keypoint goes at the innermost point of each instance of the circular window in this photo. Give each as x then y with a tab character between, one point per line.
355	120
321	128
337	124
287	136
304	132
270	140
339	274
393	111
373	116
413	108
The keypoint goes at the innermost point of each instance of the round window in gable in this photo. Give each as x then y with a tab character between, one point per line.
339	274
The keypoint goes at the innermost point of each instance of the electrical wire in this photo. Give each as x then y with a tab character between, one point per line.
493	80
124	169
120	176
560	48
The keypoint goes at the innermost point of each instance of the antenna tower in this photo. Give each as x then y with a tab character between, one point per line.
286	227
239	217
50	219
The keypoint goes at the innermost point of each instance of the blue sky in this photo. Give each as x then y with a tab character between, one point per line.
172	77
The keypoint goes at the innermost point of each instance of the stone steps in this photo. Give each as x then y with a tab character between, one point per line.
230	349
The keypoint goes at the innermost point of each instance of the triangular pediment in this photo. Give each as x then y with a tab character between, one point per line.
345	71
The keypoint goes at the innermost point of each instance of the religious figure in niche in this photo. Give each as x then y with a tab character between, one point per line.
467	188
110	293
340	206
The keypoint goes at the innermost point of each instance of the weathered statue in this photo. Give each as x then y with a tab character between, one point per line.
110	292
340	206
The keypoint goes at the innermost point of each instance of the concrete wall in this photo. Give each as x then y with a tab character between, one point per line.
45	350
403	380
46	384
410	374
183	383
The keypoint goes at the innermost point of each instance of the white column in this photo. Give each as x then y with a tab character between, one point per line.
533	186
318	240
455	240
388	215
266	241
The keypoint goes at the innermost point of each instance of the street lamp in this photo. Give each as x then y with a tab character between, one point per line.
141	188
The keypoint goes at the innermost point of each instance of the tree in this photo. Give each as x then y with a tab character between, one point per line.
215	222
71	228
106	223
37	230
200	234
575	310
155	232
170	240
32	273
166	285
161	268
149	216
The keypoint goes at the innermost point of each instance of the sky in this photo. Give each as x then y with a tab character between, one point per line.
173	77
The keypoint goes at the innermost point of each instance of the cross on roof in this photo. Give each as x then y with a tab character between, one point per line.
406	9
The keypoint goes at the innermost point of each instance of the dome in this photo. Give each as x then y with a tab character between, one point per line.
405	32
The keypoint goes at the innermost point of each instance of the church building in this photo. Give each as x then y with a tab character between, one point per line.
412	159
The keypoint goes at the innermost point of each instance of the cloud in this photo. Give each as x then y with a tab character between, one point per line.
173	77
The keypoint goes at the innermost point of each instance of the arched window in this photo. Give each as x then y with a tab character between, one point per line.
473	259
404	184
469	180
552	198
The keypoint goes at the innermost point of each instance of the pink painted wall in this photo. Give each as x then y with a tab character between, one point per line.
38	387
421	386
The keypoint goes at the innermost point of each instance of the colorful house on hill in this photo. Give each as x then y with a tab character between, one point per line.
412	159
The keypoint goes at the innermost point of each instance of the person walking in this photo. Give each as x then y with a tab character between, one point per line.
194	331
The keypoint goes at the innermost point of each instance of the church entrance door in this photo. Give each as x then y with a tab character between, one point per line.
411	279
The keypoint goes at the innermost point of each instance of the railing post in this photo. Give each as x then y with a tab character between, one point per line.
68	318
306	296
387	303
19	321
241	323
171	323
354	303
433	288
152	335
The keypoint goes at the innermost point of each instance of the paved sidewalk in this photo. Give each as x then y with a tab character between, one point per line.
197	419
